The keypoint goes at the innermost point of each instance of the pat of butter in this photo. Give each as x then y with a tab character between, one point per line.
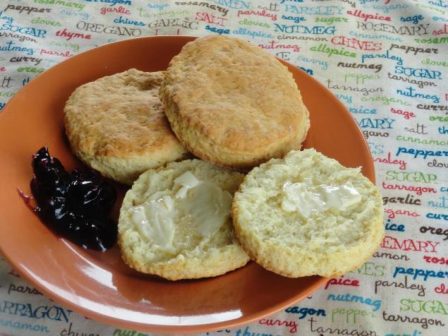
306	198
206	206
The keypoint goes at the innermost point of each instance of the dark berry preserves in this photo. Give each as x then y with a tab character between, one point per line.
75	205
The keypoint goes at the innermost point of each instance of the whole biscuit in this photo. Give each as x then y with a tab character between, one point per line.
116	125
232	103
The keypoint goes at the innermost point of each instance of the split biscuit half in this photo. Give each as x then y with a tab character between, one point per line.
175	222
308	215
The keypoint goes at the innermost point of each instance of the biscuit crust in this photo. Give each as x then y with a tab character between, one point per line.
116	125
233	104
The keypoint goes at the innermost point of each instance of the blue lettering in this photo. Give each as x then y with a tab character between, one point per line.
376	149
417	272
157	6
251	33
414	19
355	298
390	7
41	312
437	216
123	20
303	312
295	19
344	97
379	123
10	46
308	71
423	153
362	110
219	31
438	18
24	326
417	72
394	226
439	3
314	30
321	10
413	93
386	55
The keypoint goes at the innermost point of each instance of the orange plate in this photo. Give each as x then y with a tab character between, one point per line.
99	285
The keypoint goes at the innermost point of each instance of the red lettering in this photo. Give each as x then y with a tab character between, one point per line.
69	35
436	260
263	12
406	114
418	190
118	10
210	18
442	31
342	282
56	53
271	322
354	43
368	16
441	289
391	213
388	160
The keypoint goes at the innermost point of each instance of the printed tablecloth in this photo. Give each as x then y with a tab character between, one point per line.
386	60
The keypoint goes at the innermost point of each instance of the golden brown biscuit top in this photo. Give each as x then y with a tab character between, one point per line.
235	94
119	115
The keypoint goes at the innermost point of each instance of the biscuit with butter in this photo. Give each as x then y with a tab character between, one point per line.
307	215
117	126
232	103
175	222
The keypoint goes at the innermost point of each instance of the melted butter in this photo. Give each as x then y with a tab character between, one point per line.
154	220
209	208
306	198
205	204
298	197
341	197
186	181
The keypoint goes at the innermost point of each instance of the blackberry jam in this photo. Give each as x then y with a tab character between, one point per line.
74	205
